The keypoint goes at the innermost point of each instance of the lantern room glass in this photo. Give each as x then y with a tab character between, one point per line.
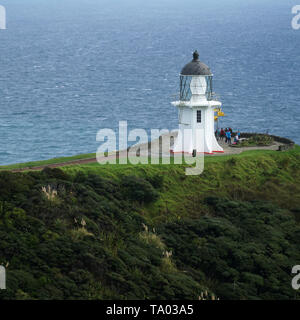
195	85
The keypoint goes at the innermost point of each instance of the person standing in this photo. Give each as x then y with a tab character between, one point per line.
236	139
222	134
228	137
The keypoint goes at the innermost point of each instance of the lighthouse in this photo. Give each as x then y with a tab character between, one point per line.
196	110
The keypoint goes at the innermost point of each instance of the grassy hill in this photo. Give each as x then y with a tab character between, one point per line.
151	232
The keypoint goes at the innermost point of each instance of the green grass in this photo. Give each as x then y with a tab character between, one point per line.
47	162
260	174
127	168
118	167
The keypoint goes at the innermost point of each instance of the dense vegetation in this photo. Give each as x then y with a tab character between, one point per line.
256	140
150	232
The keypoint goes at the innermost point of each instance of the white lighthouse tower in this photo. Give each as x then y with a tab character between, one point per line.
196	110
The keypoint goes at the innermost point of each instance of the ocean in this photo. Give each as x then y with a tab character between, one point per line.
72	67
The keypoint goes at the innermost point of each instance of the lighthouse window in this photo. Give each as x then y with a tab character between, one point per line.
198	116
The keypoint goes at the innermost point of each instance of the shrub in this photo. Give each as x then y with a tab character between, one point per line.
55	173
139	189
156	180
248	248
257	140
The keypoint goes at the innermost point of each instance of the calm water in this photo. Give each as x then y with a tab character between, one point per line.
72	67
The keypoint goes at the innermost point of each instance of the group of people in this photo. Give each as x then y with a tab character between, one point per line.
227	134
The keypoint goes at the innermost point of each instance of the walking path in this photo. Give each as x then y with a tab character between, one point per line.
234	150
143	152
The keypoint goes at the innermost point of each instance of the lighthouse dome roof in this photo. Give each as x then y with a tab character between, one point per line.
196	67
